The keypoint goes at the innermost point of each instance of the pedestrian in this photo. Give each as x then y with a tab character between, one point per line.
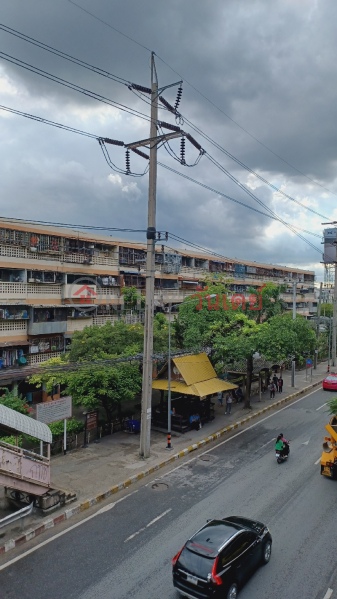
280	384
229	401
275	380
220	399
272	389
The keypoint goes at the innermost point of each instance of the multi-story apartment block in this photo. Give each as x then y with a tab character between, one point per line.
48	273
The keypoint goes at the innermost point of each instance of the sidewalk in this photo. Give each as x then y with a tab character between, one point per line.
98	468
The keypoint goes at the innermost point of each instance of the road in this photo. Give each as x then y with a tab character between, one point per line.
125	551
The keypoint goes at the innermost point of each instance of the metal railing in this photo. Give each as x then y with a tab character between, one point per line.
19	515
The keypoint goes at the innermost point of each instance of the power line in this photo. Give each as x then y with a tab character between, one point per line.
227	197
205	97
168	148
256	199
64	55
92	136
219	147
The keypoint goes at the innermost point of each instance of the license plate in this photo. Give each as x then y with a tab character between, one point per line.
192	579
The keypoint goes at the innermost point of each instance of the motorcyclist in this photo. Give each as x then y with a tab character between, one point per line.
285	444
279	445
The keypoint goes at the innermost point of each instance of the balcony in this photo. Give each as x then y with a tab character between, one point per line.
78	324
47	328
23	253
29	291
13	328
38	358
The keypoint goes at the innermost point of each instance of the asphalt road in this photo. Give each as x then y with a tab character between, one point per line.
125	552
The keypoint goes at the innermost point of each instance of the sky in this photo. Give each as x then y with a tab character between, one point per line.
259	79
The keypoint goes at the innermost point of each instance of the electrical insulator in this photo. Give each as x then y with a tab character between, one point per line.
166	236
182	150
179	94
127	161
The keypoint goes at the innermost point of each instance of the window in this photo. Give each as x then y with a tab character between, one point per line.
236	548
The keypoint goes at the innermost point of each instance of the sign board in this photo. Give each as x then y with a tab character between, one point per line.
55	410
91	420
309	362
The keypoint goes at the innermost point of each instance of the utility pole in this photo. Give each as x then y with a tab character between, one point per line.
334	318
150	266
318	322
294	318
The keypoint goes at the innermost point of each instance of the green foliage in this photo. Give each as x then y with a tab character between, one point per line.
332	405
108	341
272	304
11	440
108	386
327	310
131	297
48	377
73	427
14	402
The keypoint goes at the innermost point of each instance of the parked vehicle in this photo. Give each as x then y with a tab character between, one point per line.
329	455
220	557
330	382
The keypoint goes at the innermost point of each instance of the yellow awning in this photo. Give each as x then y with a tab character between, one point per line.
195	368
200	389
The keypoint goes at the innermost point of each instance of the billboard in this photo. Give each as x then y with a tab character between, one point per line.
55	410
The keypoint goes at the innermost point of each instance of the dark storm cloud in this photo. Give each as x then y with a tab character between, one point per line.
269	66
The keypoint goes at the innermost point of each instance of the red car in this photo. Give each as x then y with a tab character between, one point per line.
330	382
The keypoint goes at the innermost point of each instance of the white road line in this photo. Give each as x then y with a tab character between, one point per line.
328	594
320	407
16	559
237	434
60	534
147	526
265	445
317	461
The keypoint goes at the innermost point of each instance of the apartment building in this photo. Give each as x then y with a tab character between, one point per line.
54	281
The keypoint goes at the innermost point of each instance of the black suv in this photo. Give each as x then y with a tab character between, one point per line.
220	557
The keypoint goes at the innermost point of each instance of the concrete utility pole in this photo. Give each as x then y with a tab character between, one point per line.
294	317
150	271
318	321
334	318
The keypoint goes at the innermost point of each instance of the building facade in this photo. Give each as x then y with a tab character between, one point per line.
55	281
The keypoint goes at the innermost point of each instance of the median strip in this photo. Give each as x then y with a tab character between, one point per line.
76	509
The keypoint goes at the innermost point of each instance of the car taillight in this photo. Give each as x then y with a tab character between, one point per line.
214	577
176	557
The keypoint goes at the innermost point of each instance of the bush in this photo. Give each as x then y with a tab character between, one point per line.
73	427
11	440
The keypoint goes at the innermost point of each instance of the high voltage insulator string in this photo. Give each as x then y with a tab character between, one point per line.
143	89
78	131
202	95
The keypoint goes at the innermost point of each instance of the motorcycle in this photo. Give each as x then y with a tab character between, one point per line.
282	457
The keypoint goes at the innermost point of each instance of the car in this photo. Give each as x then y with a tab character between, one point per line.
220	557
330	382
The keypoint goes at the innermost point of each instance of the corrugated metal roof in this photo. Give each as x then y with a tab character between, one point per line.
23	424
195	369
199	389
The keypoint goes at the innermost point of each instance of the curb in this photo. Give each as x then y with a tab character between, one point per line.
77	509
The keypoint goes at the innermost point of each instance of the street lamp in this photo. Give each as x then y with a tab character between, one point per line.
169	446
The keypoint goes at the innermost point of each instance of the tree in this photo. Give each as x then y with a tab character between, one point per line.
97	385
327	310
332	405
272	303
130	295
99	343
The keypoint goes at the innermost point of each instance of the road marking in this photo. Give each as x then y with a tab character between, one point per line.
147	526
237	434
328	594
317	461
265	445
320	407
60	534
306	443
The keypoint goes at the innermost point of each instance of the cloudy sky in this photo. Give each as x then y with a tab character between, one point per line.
269	66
